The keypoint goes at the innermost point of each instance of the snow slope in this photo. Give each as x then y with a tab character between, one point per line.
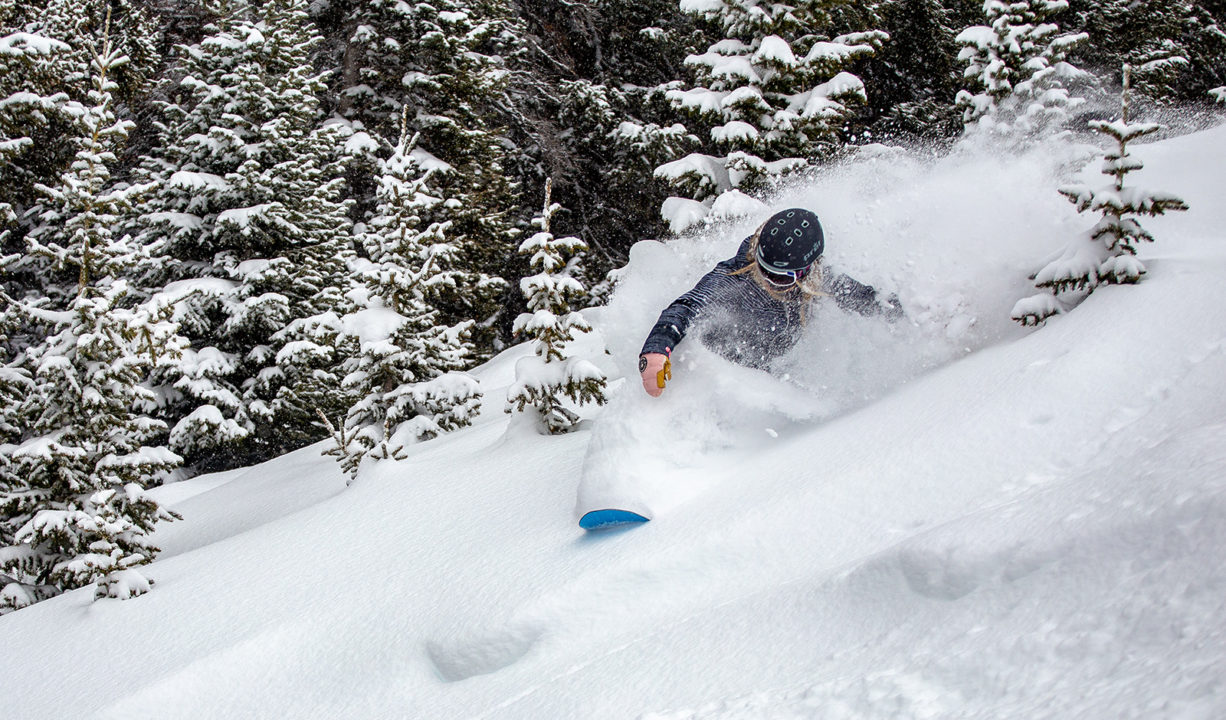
955	518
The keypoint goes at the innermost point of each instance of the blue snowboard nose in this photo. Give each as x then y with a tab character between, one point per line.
610	518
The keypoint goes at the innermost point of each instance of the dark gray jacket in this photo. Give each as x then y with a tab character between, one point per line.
747	324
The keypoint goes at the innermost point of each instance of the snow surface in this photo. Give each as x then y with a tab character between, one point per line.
946	517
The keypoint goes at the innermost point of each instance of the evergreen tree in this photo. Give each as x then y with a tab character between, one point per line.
23	109
34	108
404	372
543	379
44	61
132	29
608	157
1176	48
72	504
915	77
770	97
610	42
1017	63
249	221
585	113
446	62
1108	253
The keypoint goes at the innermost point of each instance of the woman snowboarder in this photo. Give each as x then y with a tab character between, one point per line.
757	300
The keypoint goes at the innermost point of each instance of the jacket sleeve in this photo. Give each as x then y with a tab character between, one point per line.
675	321
857	297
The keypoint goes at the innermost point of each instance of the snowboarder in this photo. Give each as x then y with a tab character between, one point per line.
754	304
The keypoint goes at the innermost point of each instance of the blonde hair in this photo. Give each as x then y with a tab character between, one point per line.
809	286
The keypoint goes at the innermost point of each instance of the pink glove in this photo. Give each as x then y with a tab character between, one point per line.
655	369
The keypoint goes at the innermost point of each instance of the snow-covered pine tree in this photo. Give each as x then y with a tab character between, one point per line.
1218	94
590	72
446	61
1017	65
590	67
252	229
34	108
1176	48
770	97
915	76
618	43
23	109
547	376
44	61
640	42
1107	254
73	507
405	373
608	157
133	31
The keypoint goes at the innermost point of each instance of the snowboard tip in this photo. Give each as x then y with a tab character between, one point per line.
608	518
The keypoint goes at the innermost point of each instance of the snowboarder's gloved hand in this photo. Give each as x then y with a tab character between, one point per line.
656	370
892	308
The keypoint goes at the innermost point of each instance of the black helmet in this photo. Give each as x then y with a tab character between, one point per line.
790	241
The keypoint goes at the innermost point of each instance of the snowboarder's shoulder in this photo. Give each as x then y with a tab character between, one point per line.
737	262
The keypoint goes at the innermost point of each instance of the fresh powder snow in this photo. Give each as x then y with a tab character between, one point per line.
950	516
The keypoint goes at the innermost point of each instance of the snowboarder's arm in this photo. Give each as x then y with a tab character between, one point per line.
857	297
676	319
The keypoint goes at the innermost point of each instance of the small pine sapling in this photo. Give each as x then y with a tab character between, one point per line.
1107	254
348	453
543	379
